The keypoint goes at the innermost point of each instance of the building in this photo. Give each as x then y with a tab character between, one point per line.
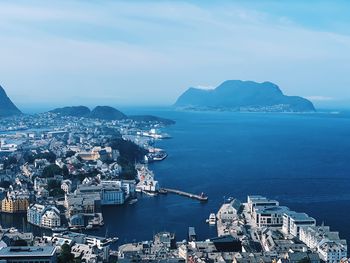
51	218
293	222
258	200
15	202
66	186
110	192
271	216
44	216
82	203
303	256
42	254
328	245
331	251
112	195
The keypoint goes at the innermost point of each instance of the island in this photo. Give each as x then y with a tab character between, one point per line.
107	113
243	96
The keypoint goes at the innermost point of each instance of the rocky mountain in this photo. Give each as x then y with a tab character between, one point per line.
7	107
237	95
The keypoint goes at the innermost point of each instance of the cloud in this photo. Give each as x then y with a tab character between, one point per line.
151	50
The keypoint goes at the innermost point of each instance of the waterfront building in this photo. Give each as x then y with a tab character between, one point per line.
293	222
15	202
44	216
38	254
110	192
82	203
51	218
112	195
77	220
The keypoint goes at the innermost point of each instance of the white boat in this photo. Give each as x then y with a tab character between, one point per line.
212	219
132	201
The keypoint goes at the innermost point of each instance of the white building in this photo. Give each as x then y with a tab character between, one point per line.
331	251
258	200
44	216
51	218
269	216
66	186
327	243
293	222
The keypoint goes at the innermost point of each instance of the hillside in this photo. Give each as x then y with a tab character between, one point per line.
7	107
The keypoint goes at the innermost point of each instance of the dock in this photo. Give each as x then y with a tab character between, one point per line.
201	197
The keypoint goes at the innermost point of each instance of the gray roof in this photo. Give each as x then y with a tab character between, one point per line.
42	251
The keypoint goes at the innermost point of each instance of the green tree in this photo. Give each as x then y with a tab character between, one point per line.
66	255
305	260
130	153
54	188
65	171
51	170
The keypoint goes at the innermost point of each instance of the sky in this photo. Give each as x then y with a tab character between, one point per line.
63	53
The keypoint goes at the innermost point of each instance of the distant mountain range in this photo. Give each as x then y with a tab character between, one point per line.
237	95
106	113
7	107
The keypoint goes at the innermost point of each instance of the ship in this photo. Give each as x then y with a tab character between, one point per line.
212	219
156	156
155	135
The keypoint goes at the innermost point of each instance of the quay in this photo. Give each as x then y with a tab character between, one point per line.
200	197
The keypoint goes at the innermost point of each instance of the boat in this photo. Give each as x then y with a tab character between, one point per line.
150	193
212	219
59	229
156	156
132	201
89	227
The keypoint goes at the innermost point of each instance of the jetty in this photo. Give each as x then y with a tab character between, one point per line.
201	197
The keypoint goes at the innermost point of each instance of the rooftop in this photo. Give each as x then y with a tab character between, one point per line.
44	251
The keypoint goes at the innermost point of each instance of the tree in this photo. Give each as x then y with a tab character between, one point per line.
129	154
65	171
66	255
54	188
51	170
305	260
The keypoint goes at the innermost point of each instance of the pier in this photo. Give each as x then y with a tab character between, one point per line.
201	197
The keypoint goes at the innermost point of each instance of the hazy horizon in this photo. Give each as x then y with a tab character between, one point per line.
147	53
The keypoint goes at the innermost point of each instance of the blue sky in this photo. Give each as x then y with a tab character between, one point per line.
149	52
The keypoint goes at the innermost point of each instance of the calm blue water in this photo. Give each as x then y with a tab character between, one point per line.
301	160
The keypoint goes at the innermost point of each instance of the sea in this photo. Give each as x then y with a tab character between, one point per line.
302	160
